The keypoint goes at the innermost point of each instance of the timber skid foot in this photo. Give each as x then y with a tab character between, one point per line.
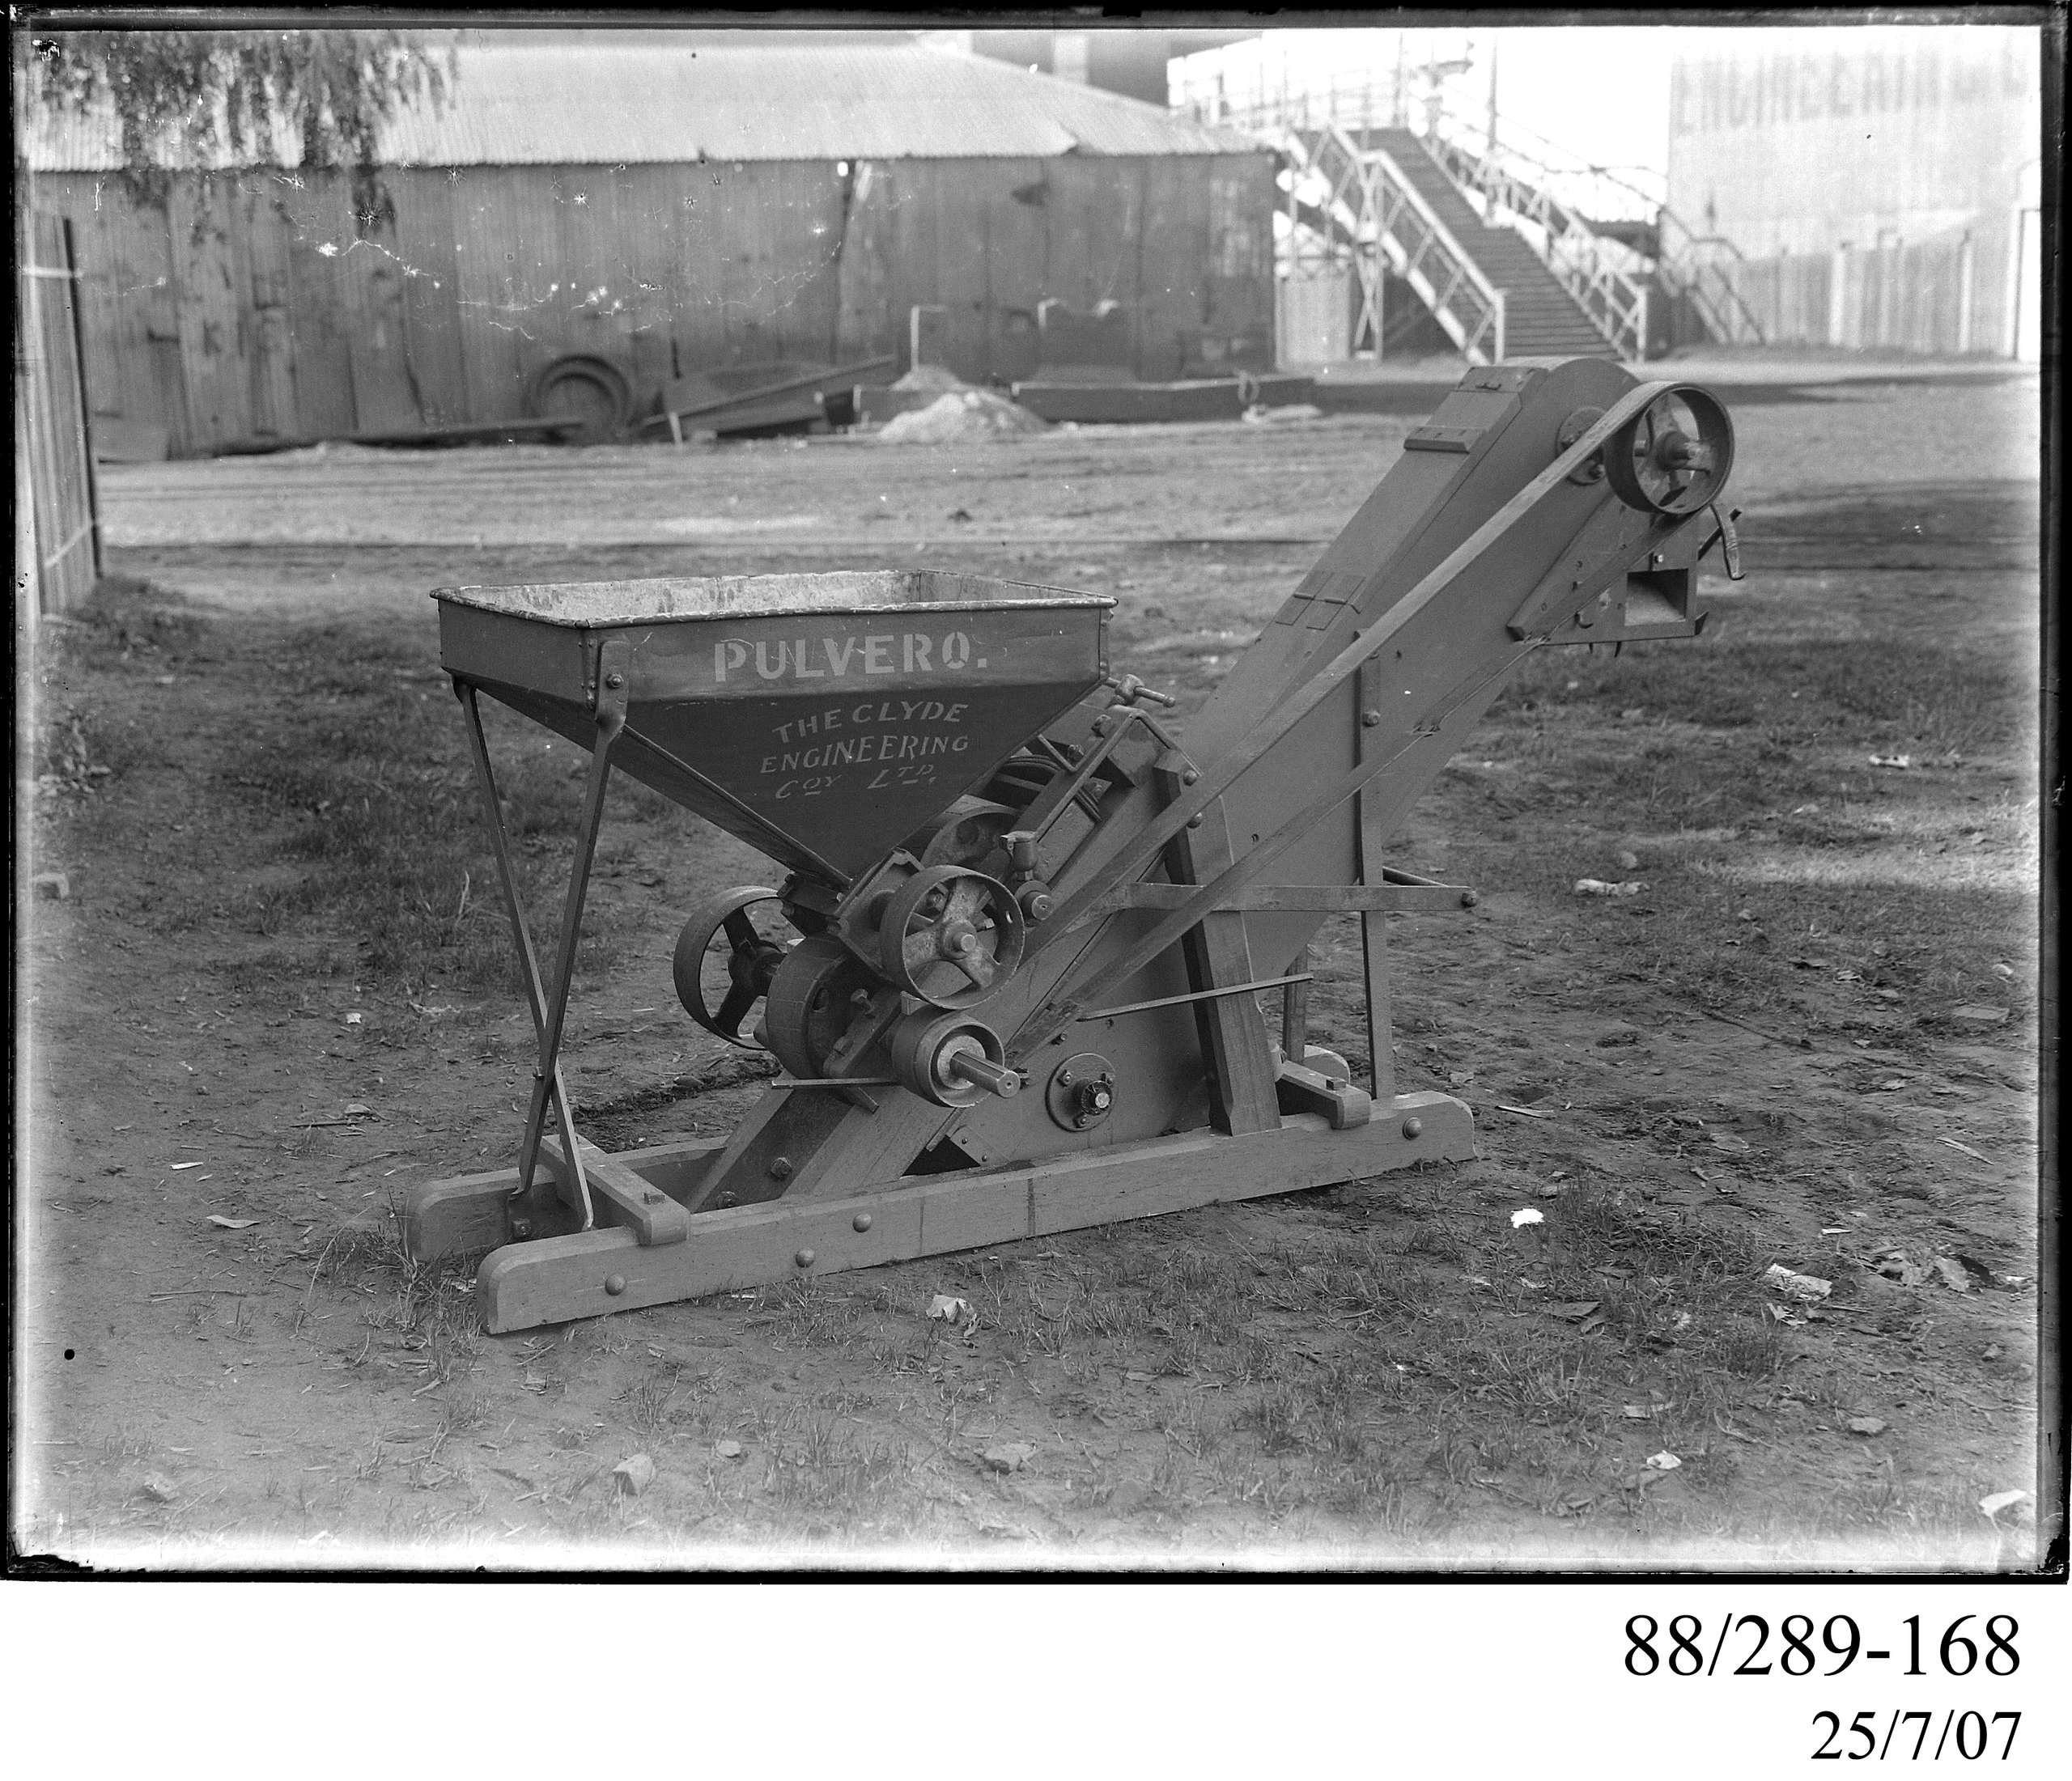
556	1273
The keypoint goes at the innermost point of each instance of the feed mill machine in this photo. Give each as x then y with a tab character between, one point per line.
1011	971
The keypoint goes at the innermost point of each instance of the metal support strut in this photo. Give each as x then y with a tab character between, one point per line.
548	1086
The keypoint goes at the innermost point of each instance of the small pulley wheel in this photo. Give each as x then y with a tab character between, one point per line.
971	835
721	945
951	936
1673	457
951	1059
818	989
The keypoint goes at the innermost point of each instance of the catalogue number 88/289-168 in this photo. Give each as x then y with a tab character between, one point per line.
1748	1645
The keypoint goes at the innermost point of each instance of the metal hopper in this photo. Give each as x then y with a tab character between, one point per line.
822	719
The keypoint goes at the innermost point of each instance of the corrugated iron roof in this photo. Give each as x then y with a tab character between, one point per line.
606	104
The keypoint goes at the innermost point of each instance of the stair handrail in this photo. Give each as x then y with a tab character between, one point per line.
1434	265
1614	302
1725	313
1689	264
1478	329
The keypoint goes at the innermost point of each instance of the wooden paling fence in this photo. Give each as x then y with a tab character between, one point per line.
1944	297
57	508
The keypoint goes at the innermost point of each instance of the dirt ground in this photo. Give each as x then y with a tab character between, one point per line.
1811	1040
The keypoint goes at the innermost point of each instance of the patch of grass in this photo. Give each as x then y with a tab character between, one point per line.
1881	689
349	755
649	1402
821	1464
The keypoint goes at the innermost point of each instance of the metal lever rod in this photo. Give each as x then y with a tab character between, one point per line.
1131	861
1727	538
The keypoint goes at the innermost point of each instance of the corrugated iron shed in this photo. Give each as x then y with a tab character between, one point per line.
602	103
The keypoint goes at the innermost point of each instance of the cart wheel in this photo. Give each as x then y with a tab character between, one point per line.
584	388
750	960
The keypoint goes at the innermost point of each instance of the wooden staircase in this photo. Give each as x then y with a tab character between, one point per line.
1541	319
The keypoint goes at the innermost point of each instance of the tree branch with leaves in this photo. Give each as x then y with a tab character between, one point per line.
306	98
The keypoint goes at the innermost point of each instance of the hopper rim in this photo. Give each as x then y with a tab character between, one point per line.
830	604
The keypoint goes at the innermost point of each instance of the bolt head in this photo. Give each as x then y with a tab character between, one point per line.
1371	719
1194	820
615	681
615	1284
1189	776
860	1222
521	1228
1064	1079
780	1168
804	1258
1413	1126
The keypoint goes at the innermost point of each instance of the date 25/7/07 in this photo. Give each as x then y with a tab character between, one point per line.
1969	1736
1742	1645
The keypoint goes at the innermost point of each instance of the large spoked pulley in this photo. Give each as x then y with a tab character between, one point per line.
950	936
1673	457
721	952
815	993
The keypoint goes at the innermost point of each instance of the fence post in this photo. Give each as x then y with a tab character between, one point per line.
1837	297
86	396
1967	275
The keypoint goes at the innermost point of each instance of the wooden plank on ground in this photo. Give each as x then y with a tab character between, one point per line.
561	1278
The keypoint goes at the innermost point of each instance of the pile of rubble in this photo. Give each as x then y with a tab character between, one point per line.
958	414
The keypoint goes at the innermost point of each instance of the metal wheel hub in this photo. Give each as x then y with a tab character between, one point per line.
1081	1092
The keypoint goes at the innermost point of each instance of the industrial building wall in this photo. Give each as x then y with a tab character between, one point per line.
1874	181
1185	245
245	306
